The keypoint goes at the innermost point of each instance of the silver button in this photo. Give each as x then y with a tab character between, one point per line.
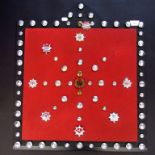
79	145
142	116
79	105
19	52
70	83
64	98
80	62
90	15
141	105
80	15
20	33
29	144
81	6
41	145
91	146
44	23
142	126
141	84
141	74
17	145
80	49
104	146
64	68
140	33
95	68
116	24
128	24
57	83
56	23
104	23
141	24
95	98
101	83
20	23
17	113
104	59
55	107
114	83
20	43
45	83
32	22
70	14
90	83
17	134
142	146
17	124
67	145
54	145
141	63
18	103
140	43
79	118
141	53
116	146
129	146
55	58
19	62
19	83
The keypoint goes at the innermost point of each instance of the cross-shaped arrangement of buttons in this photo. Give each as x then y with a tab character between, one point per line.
80	85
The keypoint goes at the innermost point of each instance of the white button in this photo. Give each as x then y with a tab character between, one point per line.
54	145
29	144
79	145
20	43
56	23
116	146
57	83
20	22
95	98
80	15
32	22
55	58
64	68
44	23
90	83
79	105
80	62
19	52
104	23
104	59
95	68
64	99
70	83
70	14
81	6
79	118
101	83
140	43
90	15
80	49
41	145
104	146
45	83
114	83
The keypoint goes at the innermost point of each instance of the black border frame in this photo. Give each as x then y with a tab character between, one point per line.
111	146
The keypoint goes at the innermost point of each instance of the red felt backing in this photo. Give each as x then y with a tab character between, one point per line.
119	46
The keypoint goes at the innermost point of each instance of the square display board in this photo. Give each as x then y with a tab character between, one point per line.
80	87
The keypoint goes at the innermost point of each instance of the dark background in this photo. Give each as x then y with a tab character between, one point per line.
122	10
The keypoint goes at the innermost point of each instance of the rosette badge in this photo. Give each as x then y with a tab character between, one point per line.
85	25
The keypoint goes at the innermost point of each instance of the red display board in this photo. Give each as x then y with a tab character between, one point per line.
100	104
